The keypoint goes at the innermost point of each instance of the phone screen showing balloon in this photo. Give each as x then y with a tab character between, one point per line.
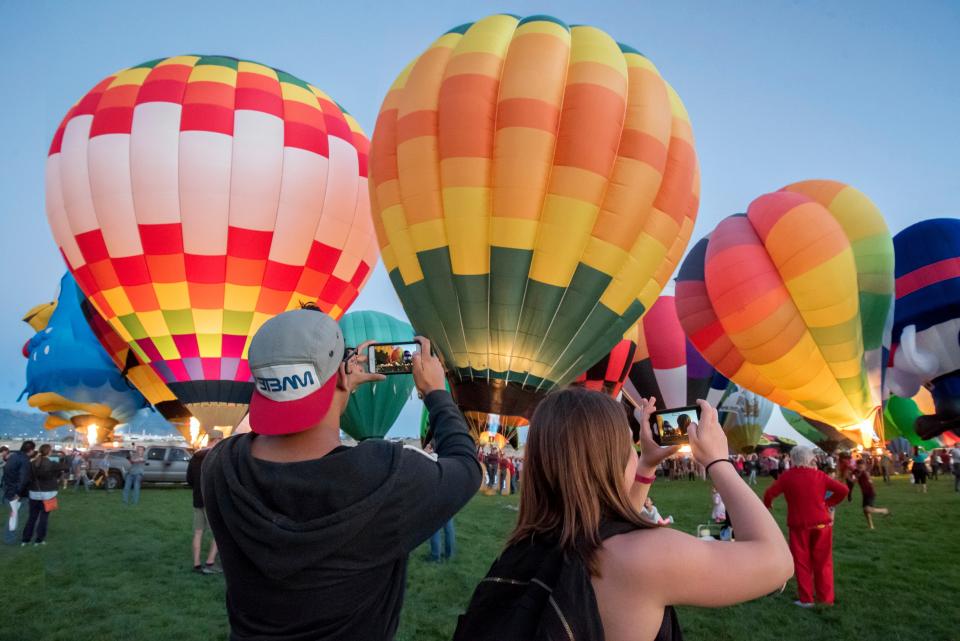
670	426
392	358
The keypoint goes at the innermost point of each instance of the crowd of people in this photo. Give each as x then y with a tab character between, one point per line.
502	470
585	559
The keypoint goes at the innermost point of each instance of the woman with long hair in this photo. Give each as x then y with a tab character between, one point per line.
582	550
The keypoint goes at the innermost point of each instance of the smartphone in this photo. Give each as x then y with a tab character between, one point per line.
392	358
670	426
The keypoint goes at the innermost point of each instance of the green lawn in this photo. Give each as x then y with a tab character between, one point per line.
112	573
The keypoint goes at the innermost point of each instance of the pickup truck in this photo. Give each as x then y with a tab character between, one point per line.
162	464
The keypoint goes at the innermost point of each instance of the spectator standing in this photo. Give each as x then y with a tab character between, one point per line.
200	522
583	563
79	467
919	469
751	466
955	465
719	512
886	465
315	536
506	475
492	461
443	542
945	461
449	541
44	480
4	453
16	481
810	521
134	476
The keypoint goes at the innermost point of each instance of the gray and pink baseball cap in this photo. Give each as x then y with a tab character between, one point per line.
294	358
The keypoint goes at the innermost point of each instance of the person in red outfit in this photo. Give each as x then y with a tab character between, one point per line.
810	520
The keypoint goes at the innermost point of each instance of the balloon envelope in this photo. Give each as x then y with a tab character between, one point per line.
195	197
69	374
902	415
374	407
746	414
927	320
667	366
790	300
608	374
820	434
533	186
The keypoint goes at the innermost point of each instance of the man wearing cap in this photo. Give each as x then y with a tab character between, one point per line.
200	523
314	536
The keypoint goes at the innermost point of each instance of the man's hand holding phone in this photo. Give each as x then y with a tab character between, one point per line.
428	374
356	369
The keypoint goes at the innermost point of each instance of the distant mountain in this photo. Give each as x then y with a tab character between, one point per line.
16	424
149	422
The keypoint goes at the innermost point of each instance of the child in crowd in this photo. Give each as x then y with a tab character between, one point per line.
652	514
719	513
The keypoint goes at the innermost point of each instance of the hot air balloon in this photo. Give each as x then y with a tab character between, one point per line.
902	415
374	408
481	425
506	427
926	325
667	366
790	300
142	376
195	197
745	416
820	434
770	445
533	186
69	375
609	373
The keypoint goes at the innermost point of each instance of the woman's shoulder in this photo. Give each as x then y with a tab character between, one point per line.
633	549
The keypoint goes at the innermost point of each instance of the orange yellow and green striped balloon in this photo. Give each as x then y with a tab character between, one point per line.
195	197
533	186
790	300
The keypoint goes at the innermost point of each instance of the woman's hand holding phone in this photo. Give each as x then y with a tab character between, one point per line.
651	454
708	441
428	374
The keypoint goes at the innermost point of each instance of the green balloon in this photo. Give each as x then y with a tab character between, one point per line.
424	425
901	414
374	407
822	435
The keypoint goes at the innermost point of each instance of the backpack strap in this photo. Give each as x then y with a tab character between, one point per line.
611	528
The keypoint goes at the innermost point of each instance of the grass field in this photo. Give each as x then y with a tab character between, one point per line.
116	573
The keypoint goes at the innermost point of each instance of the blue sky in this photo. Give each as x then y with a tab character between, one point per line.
862	92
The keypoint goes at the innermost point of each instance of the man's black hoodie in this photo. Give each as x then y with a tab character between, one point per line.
318	549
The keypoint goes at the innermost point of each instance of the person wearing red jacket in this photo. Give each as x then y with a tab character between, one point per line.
810	520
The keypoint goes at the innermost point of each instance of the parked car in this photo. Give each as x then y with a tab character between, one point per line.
166	464
162	464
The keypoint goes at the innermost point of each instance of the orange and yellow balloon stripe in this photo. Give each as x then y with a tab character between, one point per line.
774	298
521	173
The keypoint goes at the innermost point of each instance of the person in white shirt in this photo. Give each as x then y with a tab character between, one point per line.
955	466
